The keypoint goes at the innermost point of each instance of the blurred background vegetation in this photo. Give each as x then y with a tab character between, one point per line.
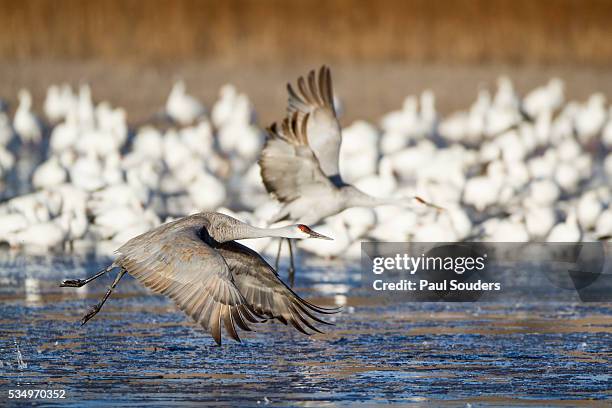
372	45
474	31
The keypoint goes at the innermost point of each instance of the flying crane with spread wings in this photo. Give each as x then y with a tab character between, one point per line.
197	262
300	160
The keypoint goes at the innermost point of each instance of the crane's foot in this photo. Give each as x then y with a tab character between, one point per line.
94	311
73	283
97	307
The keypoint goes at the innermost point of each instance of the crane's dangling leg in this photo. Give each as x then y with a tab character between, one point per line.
97	307
77	283
291	265
280	243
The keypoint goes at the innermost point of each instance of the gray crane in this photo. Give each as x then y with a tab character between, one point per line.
197	263
299	162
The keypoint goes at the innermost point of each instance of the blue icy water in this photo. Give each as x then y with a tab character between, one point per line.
140	349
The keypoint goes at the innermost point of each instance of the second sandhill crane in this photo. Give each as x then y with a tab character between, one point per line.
300	160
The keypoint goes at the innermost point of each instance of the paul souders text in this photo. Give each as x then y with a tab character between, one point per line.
425	285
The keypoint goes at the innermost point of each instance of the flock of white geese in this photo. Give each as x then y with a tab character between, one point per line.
533	167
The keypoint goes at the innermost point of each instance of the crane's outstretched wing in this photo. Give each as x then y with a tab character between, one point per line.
289	168
314	96
173	260
265	292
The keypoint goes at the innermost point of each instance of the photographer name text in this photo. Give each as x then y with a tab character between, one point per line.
428	264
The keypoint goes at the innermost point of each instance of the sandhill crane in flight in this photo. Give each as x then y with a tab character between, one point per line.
299	162
197	263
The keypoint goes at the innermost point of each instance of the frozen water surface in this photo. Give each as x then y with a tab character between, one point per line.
141	349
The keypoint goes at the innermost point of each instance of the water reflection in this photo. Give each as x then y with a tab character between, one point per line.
32	291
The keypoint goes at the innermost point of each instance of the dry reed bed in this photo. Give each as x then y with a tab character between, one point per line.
472	31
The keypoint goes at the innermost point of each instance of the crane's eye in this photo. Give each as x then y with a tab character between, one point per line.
303	228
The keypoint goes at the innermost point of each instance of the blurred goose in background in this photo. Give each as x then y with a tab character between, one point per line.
359	151
32	206
544	99
75	224
588	209
223	108
238	137
85	107
11	223
54	105
382	183
398	125
567	177
591	118
539	221
411	123
113	123
486	190
50	173
113	197
503	113
65	135
568	230
198	138
207	192
181	107
148	143
510	229
505	96
437	229
87	172
467	126
42	236
26	124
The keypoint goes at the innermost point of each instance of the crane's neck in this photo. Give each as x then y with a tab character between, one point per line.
223	229
250	232
357	198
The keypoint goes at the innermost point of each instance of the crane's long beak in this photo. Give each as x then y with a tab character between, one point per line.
320	236
428	204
